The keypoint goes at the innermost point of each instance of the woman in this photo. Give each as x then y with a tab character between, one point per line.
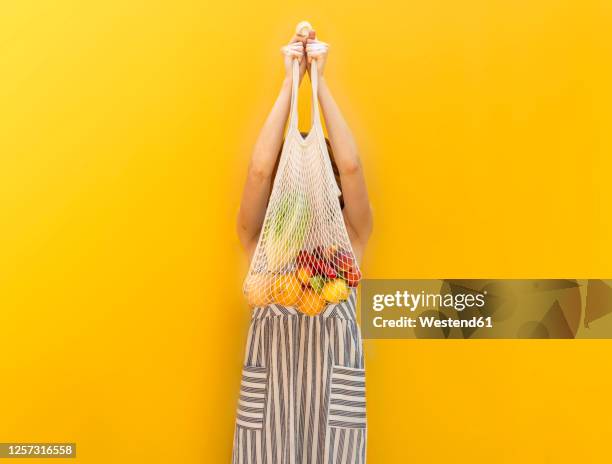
303	386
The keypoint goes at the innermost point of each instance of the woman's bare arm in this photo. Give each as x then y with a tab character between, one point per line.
265	153
356	203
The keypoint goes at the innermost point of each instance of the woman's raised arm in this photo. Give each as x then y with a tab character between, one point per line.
267	147
357	209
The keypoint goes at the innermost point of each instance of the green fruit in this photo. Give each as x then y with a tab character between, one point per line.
317	282
285	229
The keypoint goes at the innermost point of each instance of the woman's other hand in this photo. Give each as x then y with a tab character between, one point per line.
294	49
317	51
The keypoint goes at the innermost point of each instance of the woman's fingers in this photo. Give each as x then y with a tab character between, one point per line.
316	45
315	49
295	49
298	39
300	46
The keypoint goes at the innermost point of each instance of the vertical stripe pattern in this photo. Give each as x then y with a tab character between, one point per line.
302	396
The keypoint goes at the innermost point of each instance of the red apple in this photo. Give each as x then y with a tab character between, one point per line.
318	252
318	266
344	261
303	258
330	272
330	252
352	277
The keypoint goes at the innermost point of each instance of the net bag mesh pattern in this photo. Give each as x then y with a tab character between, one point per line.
304	258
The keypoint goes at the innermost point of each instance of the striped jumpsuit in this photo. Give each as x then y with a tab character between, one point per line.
302	393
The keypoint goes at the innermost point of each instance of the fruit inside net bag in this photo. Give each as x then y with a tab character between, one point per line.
304	258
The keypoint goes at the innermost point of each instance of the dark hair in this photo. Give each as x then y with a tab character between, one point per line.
333	163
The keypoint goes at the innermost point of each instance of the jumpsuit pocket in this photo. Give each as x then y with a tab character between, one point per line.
253	395
347	398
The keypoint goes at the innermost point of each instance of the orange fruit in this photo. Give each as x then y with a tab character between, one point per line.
311	303
287	290
335	291
304	274
258	290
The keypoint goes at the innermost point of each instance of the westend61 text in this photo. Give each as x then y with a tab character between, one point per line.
432	322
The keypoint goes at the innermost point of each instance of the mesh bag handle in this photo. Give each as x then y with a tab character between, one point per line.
316	129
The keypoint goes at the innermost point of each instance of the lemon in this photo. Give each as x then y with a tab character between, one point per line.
335	291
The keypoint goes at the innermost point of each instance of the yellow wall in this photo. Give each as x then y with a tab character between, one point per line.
125	129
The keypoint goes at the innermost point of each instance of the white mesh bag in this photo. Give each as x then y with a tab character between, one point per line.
304	257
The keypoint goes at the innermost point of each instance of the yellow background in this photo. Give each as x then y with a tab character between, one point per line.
125	130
